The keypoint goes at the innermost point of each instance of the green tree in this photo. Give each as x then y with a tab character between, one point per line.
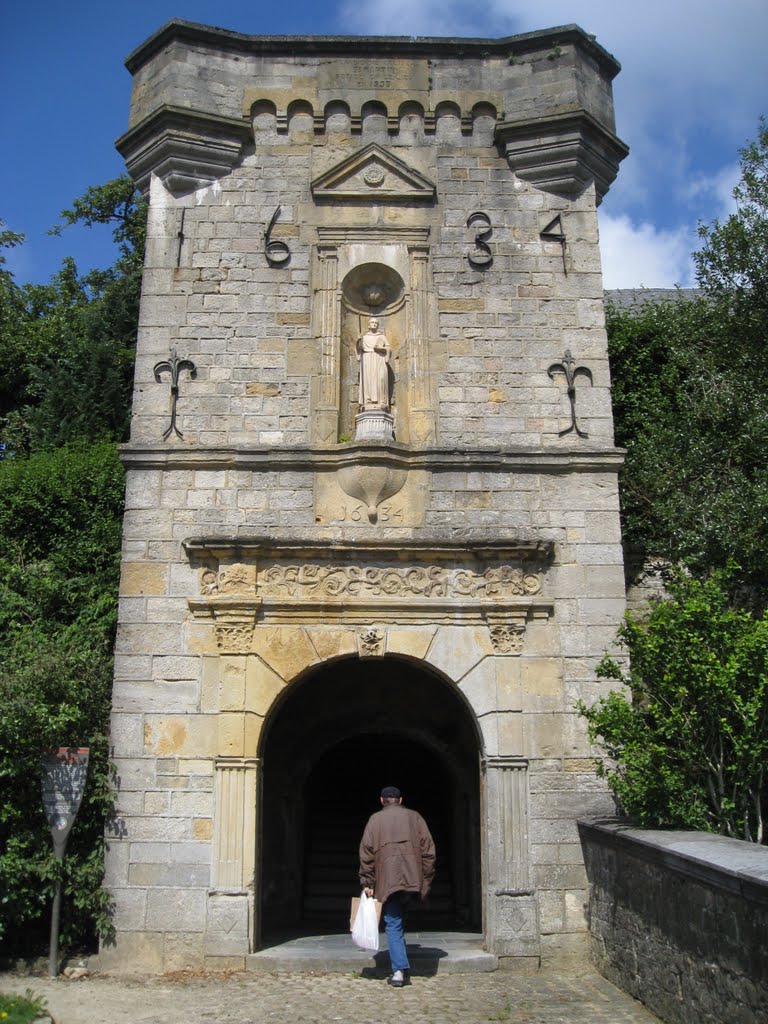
690	390
67	348
66	366
732	263
687	740
60	524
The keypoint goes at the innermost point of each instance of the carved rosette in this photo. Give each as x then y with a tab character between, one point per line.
370	642
233	579
507	638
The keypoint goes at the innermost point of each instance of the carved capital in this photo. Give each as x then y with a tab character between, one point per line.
507	638
234	637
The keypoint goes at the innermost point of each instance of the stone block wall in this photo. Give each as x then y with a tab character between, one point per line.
284	177
678	920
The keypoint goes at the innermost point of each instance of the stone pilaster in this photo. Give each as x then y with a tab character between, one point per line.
422	417
513	925
230	928
328	329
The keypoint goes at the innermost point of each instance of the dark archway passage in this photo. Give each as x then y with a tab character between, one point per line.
341	734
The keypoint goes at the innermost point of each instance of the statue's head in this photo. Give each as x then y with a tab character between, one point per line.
373	323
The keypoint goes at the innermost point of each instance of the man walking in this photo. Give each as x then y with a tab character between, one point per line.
397	861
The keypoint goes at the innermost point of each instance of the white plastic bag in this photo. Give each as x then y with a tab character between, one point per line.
365	930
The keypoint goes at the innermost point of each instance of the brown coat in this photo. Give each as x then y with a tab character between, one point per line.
397	853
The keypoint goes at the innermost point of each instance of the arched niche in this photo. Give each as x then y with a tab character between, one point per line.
264	119
483	124
338	119
411	123
448	122
300	120
335	738
373	119
372	290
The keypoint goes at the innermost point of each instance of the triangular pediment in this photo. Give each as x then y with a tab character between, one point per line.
375	174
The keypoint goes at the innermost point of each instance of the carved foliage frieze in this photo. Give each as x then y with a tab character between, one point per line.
233	579
429	581
240	585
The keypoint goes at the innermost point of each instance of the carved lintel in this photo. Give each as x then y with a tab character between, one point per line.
425	581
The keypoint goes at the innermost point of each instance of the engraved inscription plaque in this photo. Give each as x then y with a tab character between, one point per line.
375	73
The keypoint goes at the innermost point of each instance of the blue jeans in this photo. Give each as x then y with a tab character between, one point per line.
394	919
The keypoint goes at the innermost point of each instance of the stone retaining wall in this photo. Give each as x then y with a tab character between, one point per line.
678	920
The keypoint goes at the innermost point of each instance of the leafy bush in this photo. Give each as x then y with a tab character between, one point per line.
690	397
60	520
687	745
24	1009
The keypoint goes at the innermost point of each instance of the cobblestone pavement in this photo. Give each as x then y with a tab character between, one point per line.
544	998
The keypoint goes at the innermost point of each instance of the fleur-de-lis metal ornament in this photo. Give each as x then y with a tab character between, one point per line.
174	366
571	370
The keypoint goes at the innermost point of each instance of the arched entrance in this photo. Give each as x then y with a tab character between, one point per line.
338	736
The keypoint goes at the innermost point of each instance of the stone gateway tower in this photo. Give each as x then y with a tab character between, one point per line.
372	529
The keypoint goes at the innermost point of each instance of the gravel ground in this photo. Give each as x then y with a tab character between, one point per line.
249	998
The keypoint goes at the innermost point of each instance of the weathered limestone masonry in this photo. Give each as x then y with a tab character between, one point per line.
372	530
677	919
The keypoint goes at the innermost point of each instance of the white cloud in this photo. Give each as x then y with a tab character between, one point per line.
717	190
642	256
690	93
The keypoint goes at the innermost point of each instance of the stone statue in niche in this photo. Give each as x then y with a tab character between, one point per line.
373	354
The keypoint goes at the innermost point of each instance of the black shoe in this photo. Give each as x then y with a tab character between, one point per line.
397	980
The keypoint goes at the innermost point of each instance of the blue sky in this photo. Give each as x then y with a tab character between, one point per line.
693	85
